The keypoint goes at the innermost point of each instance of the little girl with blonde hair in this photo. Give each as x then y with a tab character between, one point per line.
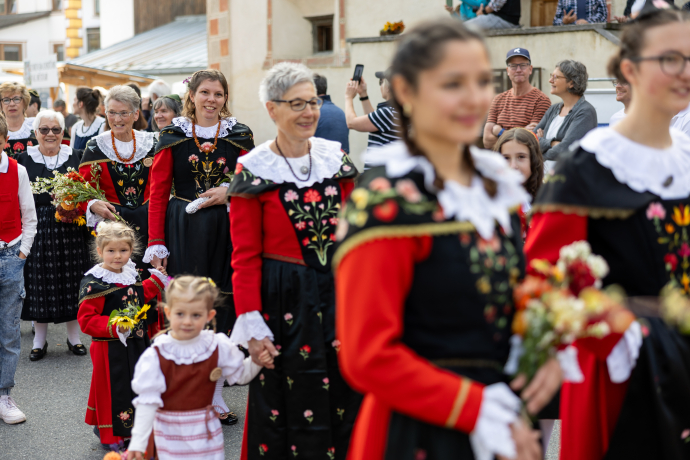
177	377
112	285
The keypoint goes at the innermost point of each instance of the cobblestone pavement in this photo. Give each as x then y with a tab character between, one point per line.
53	393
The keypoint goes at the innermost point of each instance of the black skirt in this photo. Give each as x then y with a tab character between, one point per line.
304	402
54	268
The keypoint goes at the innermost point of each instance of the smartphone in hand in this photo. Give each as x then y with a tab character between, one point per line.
359	70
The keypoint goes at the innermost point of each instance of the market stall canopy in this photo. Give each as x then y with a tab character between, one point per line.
176	48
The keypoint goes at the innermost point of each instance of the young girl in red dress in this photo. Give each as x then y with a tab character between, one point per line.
112	285
176	378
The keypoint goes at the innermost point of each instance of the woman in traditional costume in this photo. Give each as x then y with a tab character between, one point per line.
60	255
626	190
14	99
109	286
190	232
430	251
286	196
119	162
85	105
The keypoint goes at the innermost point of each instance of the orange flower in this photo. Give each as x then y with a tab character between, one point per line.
681	215
532	288
112	456
670	228
520	323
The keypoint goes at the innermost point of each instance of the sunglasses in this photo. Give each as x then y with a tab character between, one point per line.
44	131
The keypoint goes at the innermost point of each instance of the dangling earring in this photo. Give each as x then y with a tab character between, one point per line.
407	109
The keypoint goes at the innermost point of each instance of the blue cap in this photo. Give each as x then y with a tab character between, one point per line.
518	52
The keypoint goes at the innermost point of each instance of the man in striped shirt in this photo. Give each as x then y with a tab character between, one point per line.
382	124
522	106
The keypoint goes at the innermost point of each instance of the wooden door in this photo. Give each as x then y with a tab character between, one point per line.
543	12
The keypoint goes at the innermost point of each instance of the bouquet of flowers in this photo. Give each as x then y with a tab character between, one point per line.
68	191
675	308
564	304
128	317
393	28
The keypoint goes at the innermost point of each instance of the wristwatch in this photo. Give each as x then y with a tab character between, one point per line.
365	98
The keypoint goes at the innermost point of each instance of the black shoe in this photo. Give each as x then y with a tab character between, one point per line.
228	418
78	349
38	353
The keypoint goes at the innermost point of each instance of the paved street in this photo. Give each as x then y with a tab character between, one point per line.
53	393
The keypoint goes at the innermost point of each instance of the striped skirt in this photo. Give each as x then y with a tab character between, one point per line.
185	435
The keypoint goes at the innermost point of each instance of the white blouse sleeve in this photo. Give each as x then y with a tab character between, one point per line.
623	358
230	359
92	219
158	250
250	325
148	381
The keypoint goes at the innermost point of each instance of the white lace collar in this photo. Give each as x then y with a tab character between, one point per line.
127	277
195	350
185	124
94	127
642	168
327	158
144	146
462	203
62	156
24	132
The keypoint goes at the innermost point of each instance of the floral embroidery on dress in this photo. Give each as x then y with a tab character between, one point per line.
331	453
274	415
309	415
326	383
340	413
675	238
304	351
126	418
130	182
263	448
294	451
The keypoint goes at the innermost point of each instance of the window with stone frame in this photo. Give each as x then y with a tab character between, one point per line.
322	31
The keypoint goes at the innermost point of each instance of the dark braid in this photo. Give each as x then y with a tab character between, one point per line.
422	49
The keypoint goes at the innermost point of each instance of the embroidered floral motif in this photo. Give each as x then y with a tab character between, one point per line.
304	351
288	318
294	451
331	453
340	413
326	383
274	415
313	213
309	415
263	448
126	418
336	344
131	184
675	238
290	382
262	379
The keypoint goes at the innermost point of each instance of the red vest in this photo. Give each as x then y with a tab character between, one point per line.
10	216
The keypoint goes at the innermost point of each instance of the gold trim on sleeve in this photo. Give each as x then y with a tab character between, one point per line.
584	211
459	403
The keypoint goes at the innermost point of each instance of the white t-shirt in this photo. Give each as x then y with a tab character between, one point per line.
555	125
616	117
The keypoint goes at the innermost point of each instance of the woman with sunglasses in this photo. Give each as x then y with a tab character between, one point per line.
286	195
60	255
626	190
14	100
119	161
190	232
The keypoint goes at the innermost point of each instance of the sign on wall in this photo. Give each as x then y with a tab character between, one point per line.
41	73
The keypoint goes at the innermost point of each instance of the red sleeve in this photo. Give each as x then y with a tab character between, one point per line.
246	220
161	182
550	231
346	186
152	287
372	282
92	322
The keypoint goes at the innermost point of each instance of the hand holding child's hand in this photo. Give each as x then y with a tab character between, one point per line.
258	350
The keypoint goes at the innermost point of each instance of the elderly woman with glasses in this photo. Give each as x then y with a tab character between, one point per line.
567	121
165	109
119	161
59	255
14	100
286	196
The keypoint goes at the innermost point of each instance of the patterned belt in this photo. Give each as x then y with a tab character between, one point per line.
183	199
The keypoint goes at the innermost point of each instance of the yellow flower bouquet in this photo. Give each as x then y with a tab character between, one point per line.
129	317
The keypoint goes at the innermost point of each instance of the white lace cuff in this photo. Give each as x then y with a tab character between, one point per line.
164	279
250	325
158	250
92	219
567	358
492	434
194	205
623	358
225	184
516	352
123	337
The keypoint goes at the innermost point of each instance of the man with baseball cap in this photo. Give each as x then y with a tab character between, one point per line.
522	106
382	124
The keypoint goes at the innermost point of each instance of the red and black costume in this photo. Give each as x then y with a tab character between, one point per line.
424	281
18	141
283	231
197	243
632	204
110	406
126	184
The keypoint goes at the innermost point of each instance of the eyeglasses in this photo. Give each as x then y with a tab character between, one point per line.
672	63
522	66
300	104
7	100
556	77
123	115
45	130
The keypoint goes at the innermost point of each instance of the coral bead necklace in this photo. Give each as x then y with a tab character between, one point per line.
134	151
210	149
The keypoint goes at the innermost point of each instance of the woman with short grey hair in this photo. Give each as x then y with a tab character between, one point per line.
60	254
119	161
568	121
165	109
286	195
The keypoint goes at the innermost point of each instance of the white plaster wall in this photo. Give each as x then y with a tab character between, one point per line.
91	20
315	7
119	21
365	18
292	35
33	6
37	36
